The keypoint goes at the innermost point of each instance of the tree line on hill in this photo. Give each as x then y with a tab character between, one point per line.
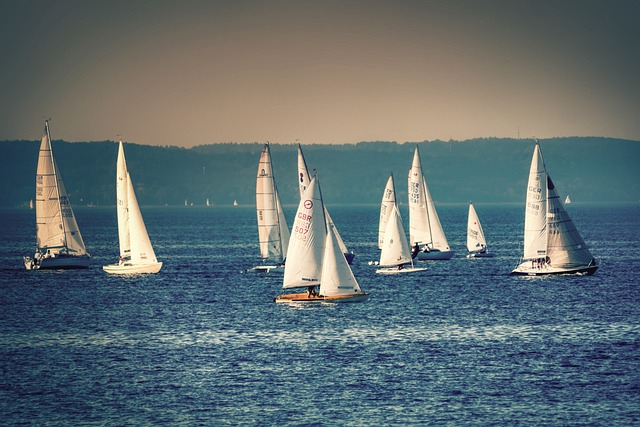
487	170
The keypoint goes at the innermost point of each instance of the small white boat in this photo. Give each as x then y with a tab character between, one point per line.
552	243
136	253
314	258
476	242
273	233
303	181
395	257
425	230
567	200
58	239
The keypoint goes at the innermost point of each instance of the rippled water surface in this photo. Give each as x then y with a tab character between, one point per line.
202	343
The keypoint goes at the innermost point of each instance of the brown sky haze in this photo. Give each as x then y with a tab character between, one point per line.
189	73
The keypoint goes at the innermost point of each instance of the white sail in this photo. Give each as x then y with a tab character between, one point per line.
273	232
141	249
303	182
307	243
56	226
419	230
122	204
386	206
337	277
535	223
395	250
567	200
476	241
438	239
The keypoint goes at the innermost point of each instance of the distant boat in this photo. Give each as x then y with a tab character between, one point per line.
552	244
136	253
425	230
273	233
235	203
59	244
314	258
395	257
207	202
31	204
567	200
303	181
185	202
476	242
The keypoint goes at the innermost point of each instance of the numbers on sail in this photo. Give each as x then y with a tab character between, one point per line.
414	194
301	226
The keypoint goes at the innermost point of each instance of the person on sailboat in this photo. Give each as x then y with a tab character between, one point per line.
415	250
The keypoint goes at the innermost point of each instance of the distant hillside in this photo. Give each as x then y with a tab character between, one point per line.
481	170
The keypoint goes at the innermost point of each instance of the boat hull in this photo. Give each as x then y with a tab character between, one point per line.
304	297
435	254
395	270
266	269
481	255
127	268
59	262
525	269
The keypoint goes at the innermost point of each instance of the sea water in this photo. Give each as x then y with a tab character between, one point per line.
201	343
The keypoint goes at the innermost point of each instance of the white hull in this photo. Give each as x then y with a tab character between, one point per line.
395	270
304	298
527	269
59	262
435	254
266	269
481	255
128	268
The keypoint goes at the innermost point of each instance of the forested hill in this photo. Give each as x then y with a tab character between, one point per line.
480	170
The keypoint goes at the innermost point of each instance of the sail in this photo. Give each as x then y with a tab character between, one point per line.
141	249
395	250
273	233
122	204
565	247
475	236
567	200
419	230
303	182
56	225
386	206
337	277
438	239
307	243
535	222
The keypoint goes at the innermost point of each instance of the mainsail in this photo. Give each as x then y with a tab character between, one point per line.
475	235
272	225
386	206
56	226
395	249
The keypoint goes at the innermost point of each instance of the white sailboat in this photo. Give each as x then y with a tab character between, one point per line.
552	244
273	232
395	254
315	258
136	253
303	181
476	242
425	229
567	200
59	244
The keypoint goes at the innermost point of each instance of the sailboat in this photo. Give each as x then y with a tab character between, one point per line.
425	230
396	253
315	258
136	253
567	200
59	244
476	242
273	232
552	243
303	180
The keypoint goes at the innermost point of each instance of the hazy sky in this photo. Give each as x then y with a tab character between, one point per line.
199	72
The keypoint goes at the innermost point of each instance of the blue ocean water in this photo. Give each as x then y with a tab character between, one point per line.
203	344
